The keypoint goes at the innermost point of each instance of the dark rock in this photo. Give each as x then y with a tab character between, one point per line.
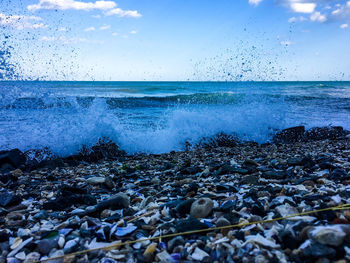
316	250
338	174
4	236
227	207
119	201
290	135
176	241
202	207
250	179
274	174
189	225
8	199
229	169
323	133
193	187
184	207
46	245
295	161
15	158
64	202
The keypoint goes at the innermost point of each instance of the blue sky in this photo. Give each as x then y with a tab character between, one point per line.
178	39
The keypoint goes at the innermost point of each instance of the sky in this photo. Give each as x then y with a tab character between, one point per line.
176	39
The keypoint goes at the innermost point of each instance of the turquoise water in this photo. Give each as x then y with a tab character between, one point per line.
157	117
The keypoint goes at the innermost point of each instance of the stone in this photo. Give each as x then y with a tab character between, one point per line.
289	135
46	245
202	207
71	245
64	202
250	179
8	199
189	225
176	241
119	201
338	174
324	133
184	207
109	182
286	210
15	158
328	235
96	180
316	250
32	257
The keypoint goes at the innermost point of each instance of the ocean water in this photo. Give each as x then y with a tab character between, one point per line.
157	117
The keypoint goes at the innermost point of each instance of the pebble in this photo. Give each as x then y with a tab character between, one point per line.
202	207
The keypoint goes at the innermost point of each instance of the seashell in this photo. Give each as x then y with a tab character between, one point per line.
21	256
199	254
61	241
123	231
16	243
150	249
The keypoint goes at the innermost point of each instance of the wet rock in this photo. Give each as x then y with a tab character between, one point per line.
290	135
316	250
96	180
329	235
46	245
184	207
338	174
64	202
189	225
119	201
323	133
176	241
14	158
250	179
202	207
8	199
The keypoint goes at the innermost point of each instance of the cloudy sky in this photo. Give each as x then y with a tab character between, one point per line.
178	39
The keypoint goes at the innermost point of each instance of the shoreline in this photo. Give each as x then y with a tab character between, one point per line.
54	211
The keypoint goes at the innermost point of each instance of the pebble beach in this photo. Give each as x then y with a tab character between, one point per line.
57	209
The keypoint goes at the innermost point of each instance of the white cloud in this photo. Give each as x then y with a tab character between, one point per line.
89	29
105	27
72	40
123	13
254	2
343	26
133	32
297	19
72	4
306	8
62	29
21	22
318	17
115	34
96	16
108	7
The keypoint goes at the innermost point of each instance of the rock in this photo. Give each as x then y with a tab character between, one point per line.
57	253
338	174
109	182
316	250
184	207
14	158
64	202
328	235
71	246
145	202
119	201
202	207
222	221
8	199
324	133
46	245
32	257
290	135
286	210
250	179
261	241
176	241
189	225
96	180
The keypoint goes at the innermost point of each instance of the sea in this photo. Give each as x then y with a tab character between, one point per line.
158	117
